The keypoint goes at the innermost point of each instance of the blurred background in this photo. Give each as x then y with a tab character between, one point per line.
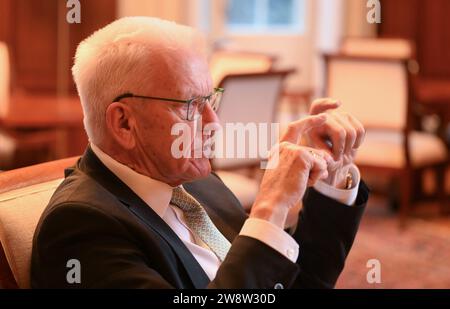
274	57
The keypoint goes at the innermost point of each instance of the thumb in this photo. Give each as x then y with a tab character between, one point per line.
297	128
322	105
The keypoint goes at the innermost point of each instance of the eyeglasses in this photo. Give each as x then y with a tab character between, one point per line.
193	108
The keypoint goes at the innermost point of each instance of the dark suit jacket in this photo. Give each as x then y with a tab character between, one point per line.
122	243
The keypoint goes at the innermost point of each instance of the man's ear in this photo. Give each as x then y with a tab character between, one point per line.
120	123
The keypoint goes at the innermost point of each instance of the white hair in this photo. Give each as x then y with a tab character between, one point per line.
118	59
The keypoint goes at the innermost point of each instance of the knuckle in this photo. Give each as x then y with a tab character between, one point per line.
351	134
302	155
284	145
290	127
341	134
299	151
347	115
361	131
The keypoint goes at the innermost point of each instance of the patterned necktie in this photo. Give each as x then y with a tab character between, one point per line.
199	222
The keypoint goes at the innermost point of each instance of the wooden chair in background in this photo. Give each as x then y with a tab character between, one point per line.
249	99
390	48
224	62
378	92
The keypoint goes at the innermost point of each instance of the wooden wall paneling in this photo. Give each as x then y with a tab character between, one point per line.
399	18
5	31
434	39
427	24
40	40
94	15
35	44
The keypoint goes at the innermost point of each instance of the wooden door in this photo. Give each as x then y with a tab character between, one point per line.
42	43
425	22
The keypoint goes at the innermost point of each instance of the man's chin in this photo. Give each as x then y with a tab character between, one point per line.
199	168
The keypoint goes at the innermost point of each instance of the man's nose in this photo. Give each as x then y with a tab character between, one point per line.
209	115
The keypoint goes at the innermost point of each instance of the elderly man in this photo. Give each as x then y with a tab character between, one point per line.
131	215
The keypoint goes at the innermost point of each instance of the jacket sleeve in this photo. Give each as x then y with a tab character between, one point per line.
326	231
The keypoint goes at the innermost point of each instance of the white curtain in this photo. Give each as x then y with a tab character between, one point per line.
329	25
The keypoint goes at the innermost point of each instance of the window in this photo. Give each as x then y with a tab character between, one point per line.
265	16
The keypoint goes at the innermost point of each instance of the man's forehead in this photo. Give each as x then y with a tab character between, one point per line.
184	71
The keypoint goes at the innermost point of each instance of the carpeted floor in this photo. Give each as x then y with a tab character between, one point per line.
416	257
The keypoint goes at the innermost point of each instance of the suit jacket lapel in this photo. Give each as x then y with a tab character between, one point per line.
193	268
92	166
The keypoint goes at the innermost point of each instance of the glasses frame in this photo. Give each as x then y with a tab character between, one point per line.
216	92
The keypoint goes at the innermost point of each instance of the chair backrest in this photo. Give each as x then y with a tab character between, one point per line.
249	99
374	90
394	48
4	79
223	63
24	194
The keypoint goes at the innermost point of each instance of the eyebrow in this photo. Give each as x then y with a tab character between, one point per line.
197	94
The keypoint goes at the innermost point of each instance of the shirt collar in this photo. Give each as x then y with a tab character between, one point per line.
154	193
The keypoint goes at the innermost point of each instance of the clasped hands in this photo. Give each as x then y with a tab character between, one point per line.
321	146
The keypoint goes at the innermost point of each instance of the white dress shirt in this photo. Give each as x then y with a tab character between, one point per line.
157	195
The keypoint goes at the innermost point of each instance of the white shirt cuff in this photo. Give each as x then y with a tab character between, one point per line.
344	196
271	235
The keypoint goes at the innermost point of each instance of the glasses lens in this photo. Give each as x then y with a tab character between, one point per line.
215	100
197	105
195	109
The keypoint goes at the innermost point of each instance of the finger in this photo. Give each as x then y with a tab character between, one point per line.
324	154
318	160
350	133
315	176
322	105
336	135
319	140
360	131
296	128
318	169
